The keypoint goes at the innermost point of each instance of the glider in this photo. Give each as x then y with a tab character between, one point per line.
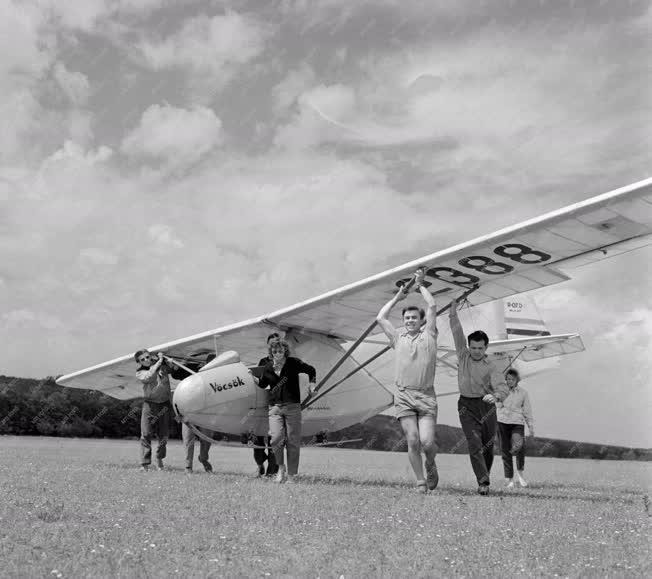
327	330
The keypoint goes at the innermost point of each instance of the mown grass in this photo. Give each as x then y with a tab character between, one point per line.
80	508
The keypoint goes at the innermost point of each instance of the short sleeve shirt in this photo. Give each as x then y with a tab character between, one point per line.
416	360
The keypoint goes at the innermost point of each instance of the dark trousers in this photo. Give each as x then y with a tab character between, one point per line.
189	438
478	420
261	455
154	420
512	443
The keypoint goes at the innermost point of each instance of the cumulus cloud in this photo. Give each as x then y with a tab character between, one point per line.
322	117
162	235
74	154
17	317
635	328
89	15
25	318
80	126
212	48
24	61
208	43
169	289
74	84
464	107
295	83
32	123
97	256
177	136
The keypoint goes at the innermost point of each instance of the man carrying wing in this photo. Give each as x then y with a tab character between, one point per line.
154	373
481	385
415	350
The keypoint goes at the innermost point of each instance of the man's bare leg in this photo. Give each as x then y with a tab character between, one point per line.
410	427
426	426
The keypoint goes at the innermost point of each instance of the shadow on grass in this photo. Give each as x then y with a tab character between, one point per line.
532	491
598	488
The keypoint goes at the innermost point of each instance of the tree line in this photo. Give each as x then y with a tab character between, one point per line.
42	407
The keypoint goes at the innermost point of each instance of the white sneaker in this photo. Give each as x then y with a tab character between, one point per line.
510	483
522	481
280	475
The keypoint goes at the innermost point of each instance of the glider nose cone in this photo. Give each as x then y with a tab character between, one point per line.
190	395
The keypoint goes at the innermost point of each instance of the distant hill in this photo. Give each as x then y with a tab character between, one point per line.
384	433
42	407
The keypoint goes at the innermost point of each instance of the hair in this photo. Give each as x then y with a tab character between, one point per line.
283	343
140	353
421	311
478	336
274	336
513	372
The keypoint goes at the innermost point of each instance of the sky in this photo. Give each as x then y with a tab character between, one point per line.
168	167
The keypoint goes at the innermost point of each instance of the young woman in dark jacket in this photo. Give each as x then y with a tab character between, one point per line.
281	379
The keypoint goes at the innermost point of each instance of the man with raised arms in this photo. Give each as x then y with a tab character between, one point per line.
154	373
415	350
481	385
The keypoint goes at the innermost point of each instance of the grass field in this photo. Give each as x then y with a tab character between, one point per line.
75	508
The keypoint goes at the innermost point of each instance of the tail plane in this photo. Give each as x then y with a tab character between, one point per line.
522	318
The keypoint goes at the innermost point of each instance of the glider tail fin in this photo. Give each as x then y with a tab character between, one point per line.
522	318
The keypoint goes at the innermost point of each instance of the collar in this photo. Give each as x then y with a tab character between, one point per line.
406	333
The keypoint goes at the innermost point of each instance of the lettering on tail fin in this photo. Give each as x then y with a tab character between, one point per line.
522	318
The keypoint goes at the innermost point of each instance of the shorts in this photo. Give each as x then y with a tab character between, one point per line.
415	403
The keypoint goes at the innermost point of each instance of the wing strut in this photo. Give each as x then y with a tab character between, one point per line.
199	433
177	363
210	440
347	354
308	401
512	360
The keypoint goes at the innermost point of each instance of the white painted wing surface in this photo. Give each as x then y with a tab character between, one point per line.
537	348
520	258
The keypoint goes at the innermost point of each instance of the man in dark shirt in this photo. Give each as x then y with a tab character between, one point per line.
281	379
261	454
